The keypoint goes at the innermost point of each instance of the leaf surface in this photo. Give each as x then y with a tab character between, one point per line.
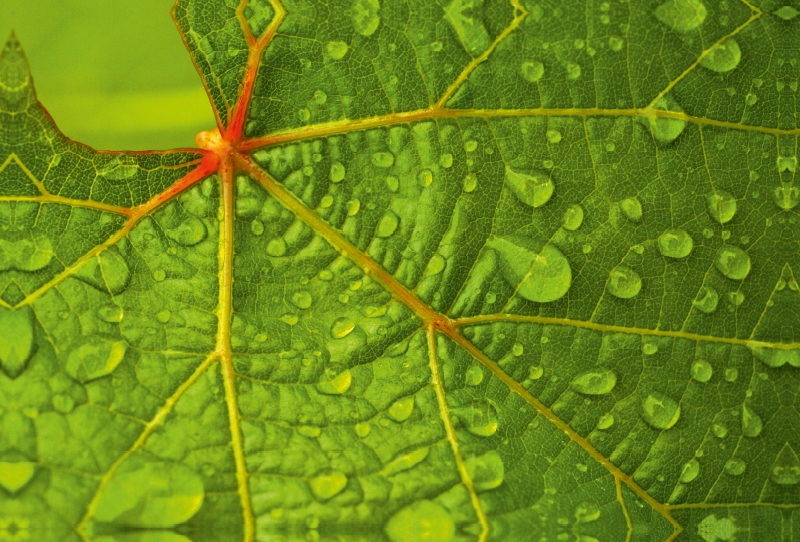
445	271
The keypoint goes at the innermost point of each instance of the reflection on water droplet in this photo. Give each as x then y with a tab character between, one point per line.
595	382
421	521
624	282
690	471
659	411
532	71
701	370
486	471
342	327
534	189
382	159
110	313
605	421
724	57
337	172
388	224
573	218
336	49
675	243
735	467
682	15
327	486
631	208
751	423
302	299
707	300
542	277
276	247
732	262
474	376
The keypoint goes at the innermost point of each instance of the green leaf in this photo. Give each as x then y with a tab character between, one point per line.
463	270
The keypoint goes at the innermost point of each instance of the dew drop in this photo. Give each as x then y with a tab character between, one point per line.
721	206
106	272
95	359
573	218
388	224
319	97
163	316
421	521
605	421
336	49
535	372
276	247
690	471
392	183
777	357
188	233
304	114
615	43
787	197
337	172
401	409
362	429
353	206
532	71
624	282
425	177
682	15
787	13
534	190
486	471
327	486
701	370
301	299
632	209
786	469
342	327
751	423
257	227
733	262
382	159
446	160
491	297
542	277
110	313
595	382
707	300
649	348
675	243
731	374
480	418
337	385
586	512
13	477
719	430
470	145
553	136
573	71
473	376
724	57
735	467
659	411
750	99
470	182
665	129
517	349
17	344
159	275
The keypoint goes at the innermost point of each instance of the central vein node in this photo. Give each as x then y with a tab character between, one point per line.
213	141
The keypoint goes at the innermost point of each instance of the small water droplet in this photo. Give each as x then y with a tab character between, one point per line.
675	243
553	136
401	409
701	370
542	277
387	225
632	209
649	348
342	327
732	262
724	57
624	282
535	372
337	385
276	247
787	13
336	49
751	423
188	233
362	429
163	316
327	486
595	382
353	206
470	145
94	359
786	469
731	374
615	43
659	411
605	421
787	197
337	172
480	418
750	99
719	430
422	520
110	313
690	471
470	182
573	218
707	300
682	15
382	159
446	160
159	275
491	297
486	471
532	71
735	467
474	376
666	129
301	299
534	189
257	227
573	71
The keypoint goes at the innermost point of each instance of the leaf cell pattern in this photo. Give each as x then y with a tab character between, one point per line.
461	270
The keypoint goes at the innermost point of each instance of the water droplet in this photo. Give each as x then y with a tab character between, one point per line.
401	409
17	344
675	243
615	43
470	182
474	376
302	299
532	71
787	197
682	15
595	382
573	71
721	206
750	99
257	227
382	159
707	300
666	129
480	418
751	423
337	172
276	247
337	385
446	160
542	277
777	357
786	469
94	359
735	467
719	430
319	97
690	471
659	411
421	521
387	225
362	429
336	49
107	272
733	262
586	512
425	177
486	471
405	461
632	209
712	529
491	297
304	114
605	421
553	136
13	477
787	13
470	145
309	431
731	374
163	316
701	370
535	372
573	218
353	206
159	275
110	313
518	349
649	348
724	57
342	327
189	232
624	282
328	485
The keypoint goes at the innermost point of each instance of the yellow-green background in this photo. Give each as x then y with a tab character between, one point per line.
114	74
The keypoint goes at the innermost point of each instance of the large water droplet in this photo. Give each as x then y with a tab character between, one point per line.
16	345
787	197
336	49
365	16
342	327
382	159
479	417
735	467
189	232
402	409
733	262
474	376
94	359
470	182
786	469
624	282
751	423
631	208
542	277
659	411
682	15
15	476
787	13
328	485
106	272
387	225
777	357
701	370
337	385
675	243
721	206
724	57
666	129
712	529
532	71
707	300
534	190
421	521
573	218
595	382
690	471
302	299
486	471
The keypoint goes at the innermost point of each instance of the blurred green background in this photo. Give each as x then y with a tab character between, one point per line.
114	74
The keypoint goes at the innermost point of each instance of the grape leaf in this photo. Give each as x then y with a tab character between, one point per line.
445	271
